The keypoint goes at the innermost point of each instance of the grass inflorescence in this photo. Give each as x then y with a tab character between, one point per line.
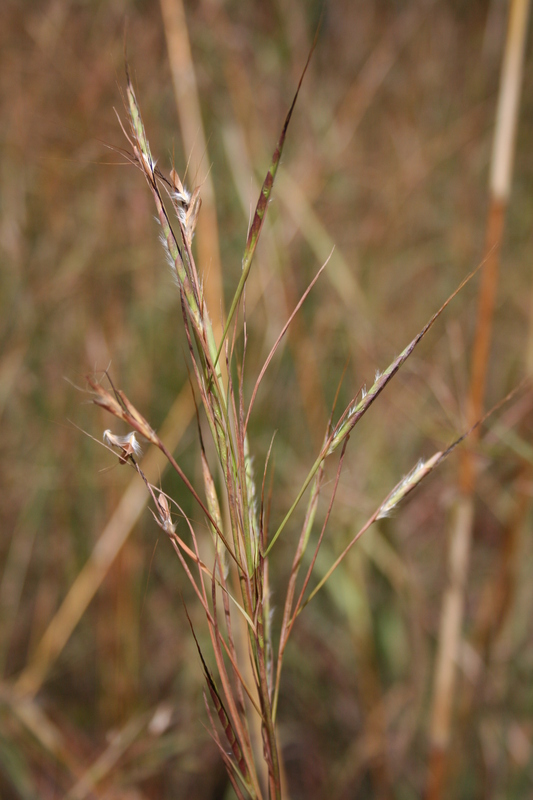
236	578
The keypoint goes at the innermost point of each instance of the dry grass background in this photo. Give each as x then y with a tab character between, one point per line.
387	157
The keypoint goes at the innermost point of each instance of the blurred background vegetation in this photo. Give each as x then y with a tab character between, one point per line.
387	159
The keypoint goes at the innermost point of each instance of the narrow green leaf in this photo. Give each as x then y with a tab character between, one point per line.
260	211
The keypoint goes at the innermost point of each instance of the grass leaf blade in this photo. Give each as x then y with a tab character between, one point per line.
262	204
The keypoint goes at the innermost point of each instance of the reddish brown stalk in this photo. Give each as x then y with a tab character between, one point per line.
178	544
232	651
487	300
263	517
241	465
241	682
173	535
194	555
239	723
461	535
175	540
269	733
220	638
132	418
243	363
220	709
186	481
233	711
190	577
229	764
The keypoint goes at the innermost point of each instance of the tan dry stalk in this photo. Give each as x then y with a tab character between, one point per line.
497	596
195	145
463	517
450	625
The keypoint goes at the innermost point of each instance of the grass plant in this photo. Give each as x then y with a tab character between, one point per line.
233	585
383	175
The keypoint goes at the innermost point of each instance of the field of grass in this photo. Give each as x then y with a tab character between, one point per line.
385	171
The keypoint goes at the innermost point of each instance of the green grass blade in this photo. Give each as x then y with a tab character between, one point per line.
260	211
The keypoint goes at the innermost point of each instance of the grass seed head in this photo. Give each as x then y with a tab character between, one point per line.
164	514
128	444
